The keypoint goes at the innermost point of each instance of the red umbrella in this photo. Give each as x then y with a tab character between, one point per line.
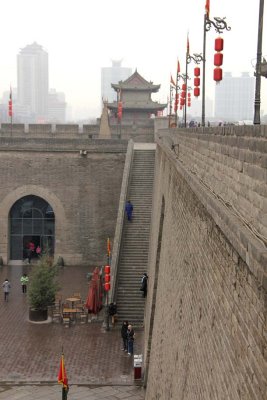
94	298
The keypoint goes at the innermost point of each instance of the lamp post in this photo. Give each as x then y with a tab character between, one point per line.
257	103
220	25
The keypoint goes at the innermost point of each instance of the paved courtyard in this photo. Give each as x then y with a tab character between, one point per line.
30	353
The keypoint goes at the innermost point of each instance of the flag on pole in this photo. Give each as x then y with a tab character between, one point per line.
62	376
10	105
178	67
207	8
108	247
172	81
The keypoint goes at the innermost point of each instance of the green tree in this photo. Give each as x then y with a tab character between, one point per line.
42	284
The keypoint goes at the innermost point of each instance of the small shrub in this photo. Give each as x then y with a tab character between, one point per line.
42	284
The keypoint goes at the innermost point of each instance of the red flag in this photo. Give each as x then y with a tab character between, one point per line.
172	81
62	376
10	105
207	8
178	67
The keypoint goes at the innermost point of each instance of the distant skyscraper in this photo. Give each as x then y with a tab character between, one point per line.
56	107
32	69
234	97
111	75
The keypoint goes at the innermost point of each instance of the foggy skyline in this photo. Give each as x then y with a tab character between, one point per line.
82	37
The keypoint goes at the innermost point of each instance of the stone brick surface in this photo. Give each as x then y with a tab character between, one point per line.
206	306
83	191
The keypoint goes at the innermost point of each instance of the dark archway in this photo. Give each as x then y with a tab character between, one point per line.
31	218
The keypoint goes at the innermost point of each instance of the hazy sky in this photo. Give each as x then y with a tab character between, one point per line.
81	36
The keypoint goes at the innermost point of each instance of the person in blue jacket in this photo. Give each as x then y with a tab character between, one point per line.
129	210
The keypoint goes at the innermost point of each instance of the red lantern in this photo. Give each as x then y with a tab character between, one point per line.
183	95
197	71
217	74
196	81
218	59
182	101
189	104
107	269
119	114
196	91
188	94
184	87
218	45
10	112
107	286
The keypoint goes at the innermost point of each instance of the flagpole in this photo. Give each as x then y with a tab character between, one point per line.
170	108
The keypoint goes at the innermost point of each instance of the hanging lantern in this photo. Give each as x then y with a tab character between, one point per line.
183	95
217	74
107	286
196	91
188	94
197	71
182	101
184	87
107	269
189	104
218	45
218	59
196	81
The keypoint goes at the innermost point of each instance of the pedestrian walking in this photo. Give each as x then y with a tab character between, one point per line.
124	329
6	288
143	287
129	210
130	338
24	282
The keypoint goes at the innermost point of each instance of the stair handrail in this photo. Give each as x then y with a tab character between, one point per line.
120	219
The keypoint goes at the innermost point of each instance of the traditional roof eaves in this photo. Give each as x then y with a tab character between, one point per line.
129	85
145	107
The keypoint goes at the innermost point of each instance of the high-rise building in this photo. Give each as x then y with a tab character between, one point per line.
56	106
32	69
234	97
110	75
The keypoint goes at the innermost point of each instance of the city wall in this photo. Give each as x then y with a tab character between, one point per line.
80	179
205	320
139	132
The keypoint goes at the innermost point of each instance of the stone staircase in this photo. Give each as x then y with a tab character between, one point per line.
135	240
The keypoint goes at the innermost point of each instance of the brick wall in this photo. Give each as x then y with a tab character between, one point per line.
205	322
83	190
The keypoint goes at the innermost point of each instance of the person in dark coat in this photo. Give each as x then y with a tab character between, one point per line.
124	329
130	338
129	210
144	284
112	310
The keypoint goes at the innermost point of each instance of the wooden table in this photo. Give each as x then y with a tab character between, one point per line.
73	300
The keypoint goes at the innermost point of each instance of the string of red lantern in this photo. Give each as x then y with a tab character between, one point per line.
196	81
218	59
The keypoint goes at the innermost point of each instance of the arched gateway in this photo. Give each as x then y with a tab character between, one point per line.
31	218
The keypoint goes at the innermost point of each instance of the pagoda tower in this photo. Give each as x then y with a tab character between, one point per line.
135	95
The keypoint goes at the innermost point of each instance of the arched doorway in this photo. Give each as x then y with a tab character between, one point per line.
31	218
